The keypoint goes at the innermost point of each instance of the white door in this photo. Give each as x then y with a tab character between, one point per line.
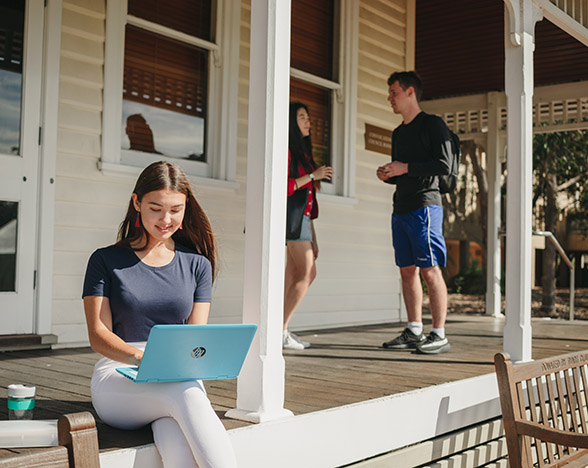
21	39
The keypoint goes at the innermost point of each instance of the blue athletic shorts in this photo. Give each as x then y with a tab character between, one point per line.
417	238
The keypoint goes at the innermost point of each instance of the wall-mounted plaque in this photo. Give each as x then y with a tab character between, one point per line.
378	139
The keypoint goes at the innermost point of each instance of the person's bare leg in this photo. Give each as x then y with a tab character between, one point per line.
412	291
300	273
437	294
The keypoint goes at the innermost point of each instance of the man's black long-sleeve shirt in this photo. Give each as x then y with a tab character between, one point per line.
425	144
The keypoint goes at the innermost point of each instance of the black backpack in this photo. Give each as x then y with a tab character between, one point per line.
447	183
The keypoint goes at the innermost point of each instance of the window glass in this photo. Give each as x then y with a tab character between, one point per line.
8	224
164	96
12	15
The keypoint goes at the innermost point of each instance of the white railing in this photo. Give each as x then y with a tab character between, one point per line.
556	108
577	9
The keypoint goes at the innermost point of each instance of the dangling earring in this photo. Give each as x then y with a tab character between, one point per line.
138	222
182	226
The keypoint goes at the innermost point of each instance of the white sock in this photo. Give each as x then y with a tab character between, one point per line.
415	327
440	332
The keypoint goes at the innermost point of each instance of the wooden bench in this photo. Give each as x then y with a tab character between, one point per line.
544	410
78	447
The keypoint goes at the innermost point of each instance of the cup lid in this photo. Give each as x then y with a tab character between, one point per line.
21	391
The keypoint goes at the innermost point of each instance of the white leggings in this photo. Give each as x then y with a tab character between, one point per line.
186	430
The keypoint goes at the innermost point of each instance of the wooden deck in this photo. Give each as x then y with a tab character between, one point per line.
343	366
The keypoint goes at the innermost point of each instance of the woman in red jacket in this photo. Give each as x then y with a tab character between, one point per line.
301	252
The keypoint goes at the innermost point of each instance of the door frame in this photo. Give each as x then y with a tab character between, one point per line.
47	168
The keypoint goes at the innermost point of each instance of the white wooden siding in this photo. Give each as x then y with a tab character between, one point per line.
382	48
357	281
82	217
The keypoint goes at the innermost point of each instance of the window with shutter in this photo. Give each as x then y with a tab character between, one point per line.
169	86
323	50
165	80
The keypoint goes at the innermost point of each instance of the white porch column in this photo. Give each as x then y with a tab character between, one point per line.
260	388
494	162
520	18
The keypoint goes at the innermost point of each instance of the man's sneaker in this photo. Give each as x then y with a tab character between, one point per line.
434	344
290	343
406	339
306	344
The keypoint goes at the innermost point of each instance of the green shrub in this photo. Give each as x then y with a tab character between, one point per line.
470	281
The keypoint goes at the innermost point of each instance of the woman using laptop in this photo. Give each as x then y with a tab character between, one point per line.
159	271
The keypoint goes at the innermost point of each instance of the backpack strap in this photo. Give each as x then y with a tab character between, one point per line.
425	131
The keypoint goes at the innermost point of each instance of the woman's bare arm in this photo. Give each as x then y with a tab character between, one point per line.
199	314
102	338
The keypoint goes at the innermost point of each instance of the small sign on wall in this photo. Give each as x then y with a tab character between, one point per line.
378	139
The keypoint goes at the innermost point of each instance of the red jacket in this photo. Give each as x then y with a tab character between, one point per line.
312	206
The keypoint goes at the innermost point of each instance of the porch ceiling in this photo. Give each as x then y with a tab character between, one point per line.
459	49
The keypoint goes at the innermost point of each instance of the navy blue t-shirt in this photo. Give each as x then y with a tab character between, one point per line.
141	295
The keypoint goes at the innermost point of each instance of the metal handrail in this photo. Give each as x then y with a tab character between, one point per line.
569	262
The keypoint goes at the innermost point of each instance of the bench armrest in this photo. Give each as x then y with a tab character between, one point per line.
552	435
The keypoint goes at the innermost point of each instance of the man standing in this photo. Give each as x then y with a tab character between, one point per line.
421	151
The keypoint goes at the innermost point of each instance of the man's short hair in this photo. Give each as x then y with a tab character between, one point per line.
406	79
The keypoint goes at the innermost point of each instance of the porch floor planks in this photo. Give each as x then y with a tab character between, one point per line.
343	366
50	380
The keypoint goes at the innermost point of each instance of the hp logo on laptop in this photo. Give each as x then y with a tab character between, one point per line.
198	352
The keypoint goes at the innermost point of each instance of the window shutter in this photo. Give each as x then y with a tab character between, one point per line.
312	37
312	51
191	17
164	73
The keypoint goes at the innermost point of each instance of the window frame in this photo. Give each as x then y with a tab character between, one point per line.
343	92
221	100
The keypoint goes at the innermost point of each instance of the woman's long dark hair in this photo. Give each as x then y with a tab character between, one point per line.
196	232
298	145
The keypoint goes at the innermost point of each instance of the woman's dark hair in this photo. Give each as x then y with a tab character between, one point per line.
196	232
298	145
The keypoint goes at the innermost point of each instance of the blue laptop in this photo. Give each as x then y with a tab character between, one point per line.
192	352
